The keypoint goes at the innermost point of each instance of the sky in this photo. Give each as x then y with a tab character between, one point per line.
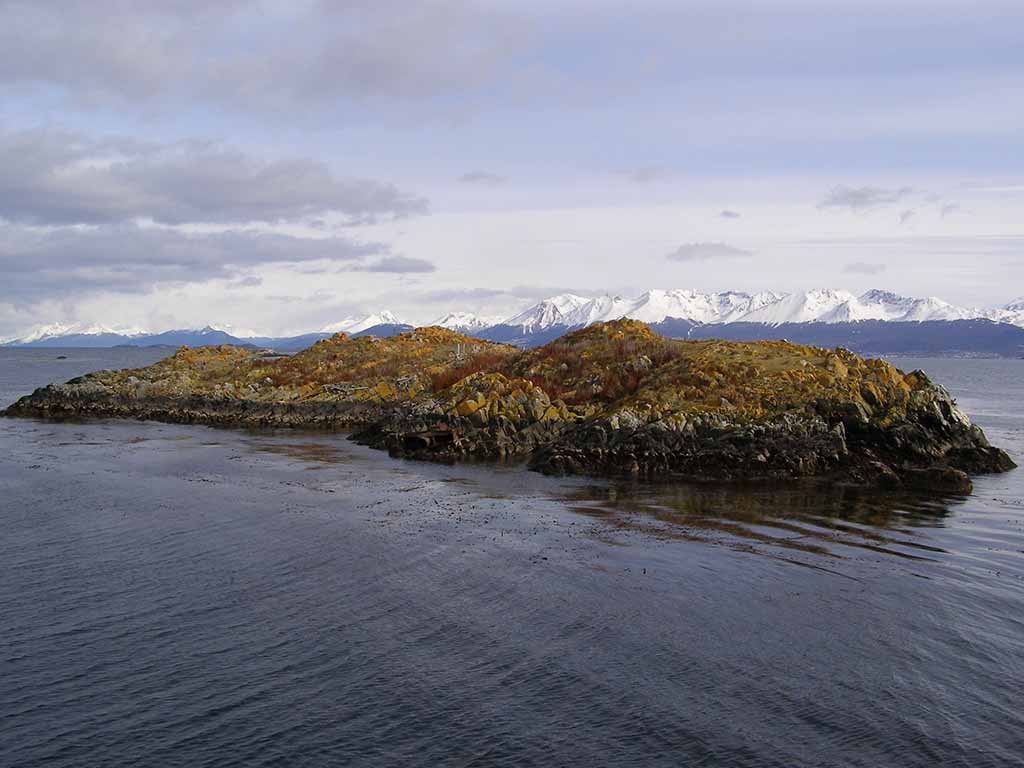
276	166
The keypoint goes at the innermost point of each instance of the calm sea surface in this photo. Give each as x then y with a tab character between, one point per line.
186	596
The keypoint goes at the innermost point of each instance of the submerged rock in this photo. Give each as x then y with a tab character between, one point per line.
612	398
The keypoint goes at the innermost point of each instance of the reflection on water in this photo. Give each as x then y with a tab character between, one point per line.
815	519
317	454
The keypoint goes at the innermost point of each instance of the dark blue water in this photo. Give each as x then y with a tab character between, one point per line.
184	596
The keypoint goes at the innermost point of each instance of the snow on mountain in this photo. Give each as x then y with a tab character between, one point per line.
1002	315
820	305
932	308
358	323
657	305
883	305
466	321
802	307
548	313
872	305
599	309
232	330
651	307
56	330
1014	318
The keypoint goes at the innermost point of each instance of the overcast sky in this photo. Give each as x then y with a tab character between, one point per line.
276	166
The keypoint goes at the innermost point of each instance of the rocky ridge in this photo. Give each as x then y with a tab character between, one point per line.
607	399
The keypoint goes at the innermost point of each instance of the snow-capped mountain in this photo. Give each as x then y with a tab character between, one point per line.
466	321
650	307
1013	313
768	308
232	330
872	305
549	312
803	307
357	323
56	330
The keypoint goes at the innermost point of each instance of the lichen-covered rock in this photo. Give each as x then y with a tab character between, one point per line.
487	415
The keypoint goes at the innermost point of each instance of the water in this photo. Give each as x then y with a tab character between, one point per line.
176	595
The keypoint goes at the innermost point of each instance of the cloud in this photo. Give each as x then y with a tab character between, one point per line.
907	215
398	264
949	209
59	178
648	174
73	260
706	252
460	295
864	268
273	56
246	282
727	214
863	198
483	178
1010	189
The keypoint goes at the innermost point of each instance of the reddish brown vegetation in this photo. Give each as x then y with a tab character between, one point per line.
484	362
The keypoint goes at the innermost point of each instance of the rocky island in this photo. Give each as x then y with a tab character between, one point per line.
607	399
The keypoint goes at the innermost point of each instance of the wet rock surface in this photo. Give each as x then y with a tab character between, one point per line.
610	399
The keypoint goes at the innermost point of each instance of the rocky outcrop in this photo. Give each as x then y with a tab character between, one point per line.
88	398
610	399
933	445
485	415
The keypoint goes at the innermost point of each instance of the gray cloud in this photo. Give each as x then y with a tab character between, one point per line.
648	174
948	209
77	261
278	57
864	268
863	198
55	178
316	297
246	282
727	214
706	252
398	264
483	178
518	292
274	55
907	215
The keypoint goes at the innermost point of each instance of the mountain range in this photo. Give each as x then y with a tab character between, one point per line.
876	321
767	307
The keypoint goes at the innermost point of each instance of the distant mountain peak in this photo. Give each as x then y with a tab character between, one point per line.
465	321
876	295
58	329
359	323
548	312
